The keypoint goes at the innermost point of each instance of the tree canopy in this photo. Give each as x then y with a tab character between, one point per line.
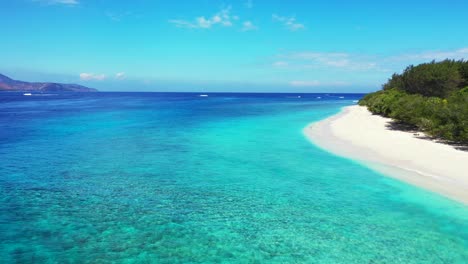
431	96
438	79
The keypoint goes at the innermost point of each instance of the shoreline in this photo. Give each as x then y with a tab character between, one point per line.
357	134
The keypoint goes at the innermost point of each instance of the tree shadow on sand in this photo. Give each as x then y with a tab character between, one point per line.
400	126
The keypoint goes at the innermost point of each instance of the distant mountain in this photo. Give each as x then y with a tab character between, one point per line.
8	84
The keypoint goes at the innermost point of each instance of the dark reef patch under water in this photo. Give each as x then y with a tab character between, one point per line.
178	178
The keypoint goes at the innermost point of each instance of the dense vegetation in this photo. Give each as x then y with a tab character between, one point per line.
432	97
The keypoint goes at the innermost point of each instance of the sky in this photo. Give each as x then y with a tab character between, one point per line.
227	46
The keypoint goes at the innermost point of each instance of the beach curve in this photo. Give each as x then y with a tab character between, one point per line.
357	134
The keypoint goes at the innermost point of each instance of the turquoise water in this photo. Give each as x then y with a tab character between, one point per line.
177	178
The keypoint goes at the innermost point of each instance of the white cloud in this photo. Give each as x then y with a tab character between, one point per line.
321	69
329	59
305	83
280	64
289	22
316	60
248	26
92	77
59	2
434	55
182	23
316	83
222	18
352	64
120	76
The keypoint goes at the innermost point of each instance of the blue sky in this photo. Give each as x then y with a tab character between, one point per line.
244	45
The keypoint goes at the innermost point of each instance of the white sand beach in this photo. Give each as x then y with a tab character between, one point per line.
357	134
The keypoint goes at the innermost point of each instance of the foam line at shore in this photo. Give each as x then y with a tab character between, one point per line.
357	134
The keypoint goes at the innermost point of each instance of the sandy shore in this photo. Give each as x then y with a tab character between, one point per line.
356	133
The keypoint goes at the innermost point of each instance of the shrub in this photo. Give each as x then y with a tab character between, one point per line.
429	96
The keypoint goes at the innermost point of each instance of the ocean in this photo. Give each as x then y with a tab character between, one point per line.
183	178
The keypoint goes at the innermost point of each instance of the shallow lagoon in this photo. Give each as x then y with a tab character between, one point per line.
177	178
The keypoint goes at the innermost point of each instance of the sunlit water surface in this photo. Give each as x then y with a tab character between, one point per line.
179	178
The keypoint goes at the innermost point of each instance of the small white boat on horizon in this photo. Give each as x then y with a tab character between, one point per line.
27	94
203	95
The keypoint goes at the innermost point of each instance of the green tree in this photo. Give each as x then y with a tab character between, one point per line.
429	96
433	79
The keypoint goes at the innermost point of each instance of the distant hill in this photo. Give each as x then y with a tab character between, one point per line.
8	84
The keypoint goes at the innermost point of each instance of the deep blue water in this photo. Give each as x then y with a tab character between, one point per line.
179	178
